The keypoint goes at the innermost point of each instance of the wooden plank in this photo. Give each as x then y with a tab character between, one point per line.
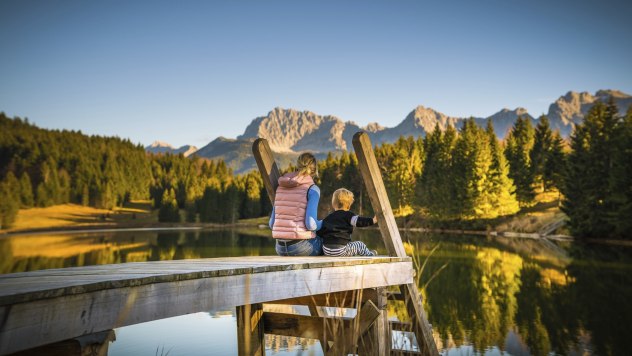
361	323
376	190
250	337
420	324
47	320
345	299
294	325
344	332
401	326
374	184
28	286
267	166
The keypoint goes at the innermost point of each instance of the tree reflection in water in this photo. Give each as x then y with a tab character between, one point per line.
518	296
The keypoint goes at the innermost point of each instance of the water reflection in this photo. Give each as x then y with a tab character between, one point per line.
29	253
525	297
488	295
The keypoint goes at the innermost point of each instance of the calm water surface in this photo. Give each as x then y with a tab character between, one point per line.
491	296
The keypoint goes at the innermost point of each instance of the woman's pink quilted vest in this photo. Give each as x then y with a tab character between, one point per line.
290	204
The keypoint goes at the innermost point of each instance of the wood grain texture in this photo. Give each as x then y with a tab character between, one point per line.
250	337
376	190
60	308
267	166
374	184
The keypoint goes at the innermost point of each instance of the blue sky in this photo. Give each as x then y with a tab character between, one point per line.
186	72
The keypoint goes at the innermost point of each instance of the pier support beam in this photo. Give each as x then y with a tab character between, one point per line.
250	338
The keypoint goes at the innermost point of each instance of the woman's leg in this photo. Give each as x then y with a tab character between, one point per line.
311	247
280	249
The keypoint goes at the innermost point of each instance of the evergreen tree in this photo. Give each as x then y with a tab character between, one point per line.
191	211
208	205
9	205
501	187
26	191
230	203
542	144
621	180
436	193
402	168
554	163
41	196
169	211
251	200
519	144
587	194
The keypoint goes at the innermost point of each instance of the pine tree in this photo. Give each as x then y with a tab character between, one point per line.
251	200
542	144
587	194
519	144
402	171
436	191
9	205
501	186
621	180
554	163
26	191
169	211
191	211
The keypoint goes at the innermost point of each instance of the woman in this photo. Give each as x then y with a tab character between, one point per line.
294	221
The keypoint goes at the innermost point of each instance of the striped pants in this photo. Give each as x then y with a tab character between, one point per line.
353	248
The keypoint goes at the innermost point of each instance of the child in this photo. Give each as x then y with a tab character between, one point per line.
338	226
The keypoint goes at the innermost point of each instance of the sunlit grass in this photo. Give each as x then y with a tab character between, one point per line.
73	215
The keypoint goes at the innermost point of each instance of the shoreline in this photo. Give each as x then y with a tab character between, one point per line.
200	226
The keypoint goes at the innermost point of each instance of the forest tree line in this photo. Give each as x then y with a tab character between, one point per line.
451	175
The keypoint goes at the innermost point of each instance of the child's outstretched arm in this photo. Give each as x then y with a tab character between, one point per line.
361	221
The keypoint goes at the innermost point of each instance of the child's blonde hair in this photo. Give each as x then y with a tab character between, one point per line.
342	199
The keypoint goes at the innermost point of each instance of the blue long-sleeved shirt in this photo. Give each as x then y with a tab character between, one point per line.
311	212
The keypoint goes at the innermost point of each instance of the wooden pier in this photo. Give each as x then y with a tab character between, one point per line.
72	311
43	307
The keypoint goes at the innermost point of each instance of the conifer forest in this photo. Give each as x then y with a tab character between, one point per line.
449	177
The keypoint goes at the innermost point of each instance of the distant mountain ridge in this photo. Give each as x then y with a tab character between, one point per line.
290	131
158	147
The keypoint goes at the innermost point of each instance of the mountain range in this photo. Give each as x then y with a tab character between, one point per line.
290	132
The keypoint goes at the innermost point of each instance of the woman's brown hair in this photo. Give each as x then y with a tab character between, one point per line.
306	164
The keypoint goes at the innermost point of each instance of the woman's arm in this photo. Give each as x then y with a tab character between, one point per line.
271	223
311	213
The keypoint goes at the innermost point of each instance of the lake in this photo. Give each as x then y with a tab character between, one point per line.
490	296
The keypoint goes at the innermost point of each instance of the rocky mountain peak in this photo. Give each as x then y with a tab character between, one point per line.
157	144
570	109
284	128
604	94
291	131
373	127
160	147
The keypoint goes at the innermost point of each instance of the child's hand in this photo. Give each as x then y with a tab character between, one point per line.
375	219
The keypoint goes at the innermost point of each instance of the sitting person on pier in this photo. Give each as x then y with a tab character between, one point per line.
337	228
293	220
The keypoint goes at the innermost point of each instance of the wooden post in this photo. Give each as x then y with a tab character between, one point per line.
377	340
267	166
390	234
250	337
